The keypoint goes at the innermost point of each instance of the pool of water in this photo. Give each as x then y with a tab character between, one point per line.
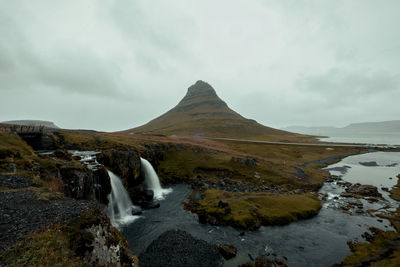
319	241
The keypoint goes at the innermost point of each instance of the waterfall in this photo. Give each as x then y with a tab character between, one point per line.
120	205
152	181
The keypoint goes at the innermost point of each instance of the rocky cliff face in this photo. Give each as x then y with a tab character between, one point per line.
126	164
52	198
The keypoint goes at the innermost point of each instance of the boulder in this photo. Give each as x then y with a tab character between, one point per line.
147	195
364	190
136	211
268	260
78	182
227	251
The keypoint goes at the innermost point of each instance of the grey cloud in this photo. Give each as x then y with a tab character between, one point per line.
279	62
356	83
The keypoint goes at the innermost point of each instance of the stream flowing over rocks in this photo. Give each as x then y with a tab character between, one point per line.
318	241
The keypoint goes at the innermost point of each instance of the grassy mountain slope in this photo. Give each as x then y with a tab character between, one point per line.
202	113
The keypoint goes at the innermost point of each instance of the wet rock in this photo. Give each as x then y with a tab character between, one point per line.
227	251
364	190
102	179
78	182
267	260
369	163
155	153
136	211
178	248
147	195
346	194
123	162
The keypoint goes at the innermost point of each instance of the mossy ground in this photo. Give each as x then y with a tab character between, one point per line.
49	248
60	245
251	210
384	250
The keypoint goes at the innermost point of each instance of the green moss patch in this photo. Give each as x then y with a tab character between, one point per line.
384	250
251	210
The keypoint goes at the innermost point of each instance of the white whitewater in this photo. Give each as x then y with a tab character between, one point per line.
120	204
152	181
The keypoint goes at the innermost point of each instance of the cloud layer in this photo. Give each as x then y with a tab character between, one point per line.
112	65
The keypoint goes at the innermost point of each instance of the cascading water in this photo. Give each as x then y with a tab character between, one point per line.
152	181
120	204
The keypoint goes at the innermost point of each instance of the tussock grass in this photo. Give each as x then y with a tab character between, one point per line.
251	210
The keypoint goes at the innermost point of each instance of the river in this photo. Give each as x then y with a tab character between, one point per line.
319	241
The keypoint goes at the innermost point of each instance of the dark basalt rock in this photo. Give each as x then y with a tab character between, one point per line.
369	163
155	153
147	195
103	189
78	182
178	248
268	260
227	251
124	163
136	211
364	190
39	140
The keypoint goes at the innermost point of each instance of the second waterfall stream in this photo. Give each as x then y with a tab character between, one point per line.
152	181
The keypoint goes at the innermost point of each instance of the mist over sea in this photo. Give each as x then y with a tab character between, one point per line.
367	138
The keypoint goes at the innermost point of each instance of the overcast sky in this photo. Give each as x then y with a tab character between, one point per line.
116	64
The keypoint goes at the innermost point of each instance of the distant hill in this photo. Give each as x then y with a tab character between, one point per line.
383	127
47	124
202	113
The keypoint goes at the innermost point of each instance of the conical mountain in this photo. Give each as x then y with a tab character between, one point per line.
202	113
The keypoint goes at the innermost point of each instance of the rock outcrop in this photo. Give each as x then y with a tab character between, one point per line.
268	260
227	251
103	188
78	182
178	248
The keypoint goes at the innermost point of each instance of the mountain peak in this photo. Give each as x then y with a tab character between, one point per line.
202	113
201	89
200	93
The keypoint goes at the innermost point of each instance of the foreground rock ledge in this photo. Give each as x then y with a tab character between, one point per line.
178	248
